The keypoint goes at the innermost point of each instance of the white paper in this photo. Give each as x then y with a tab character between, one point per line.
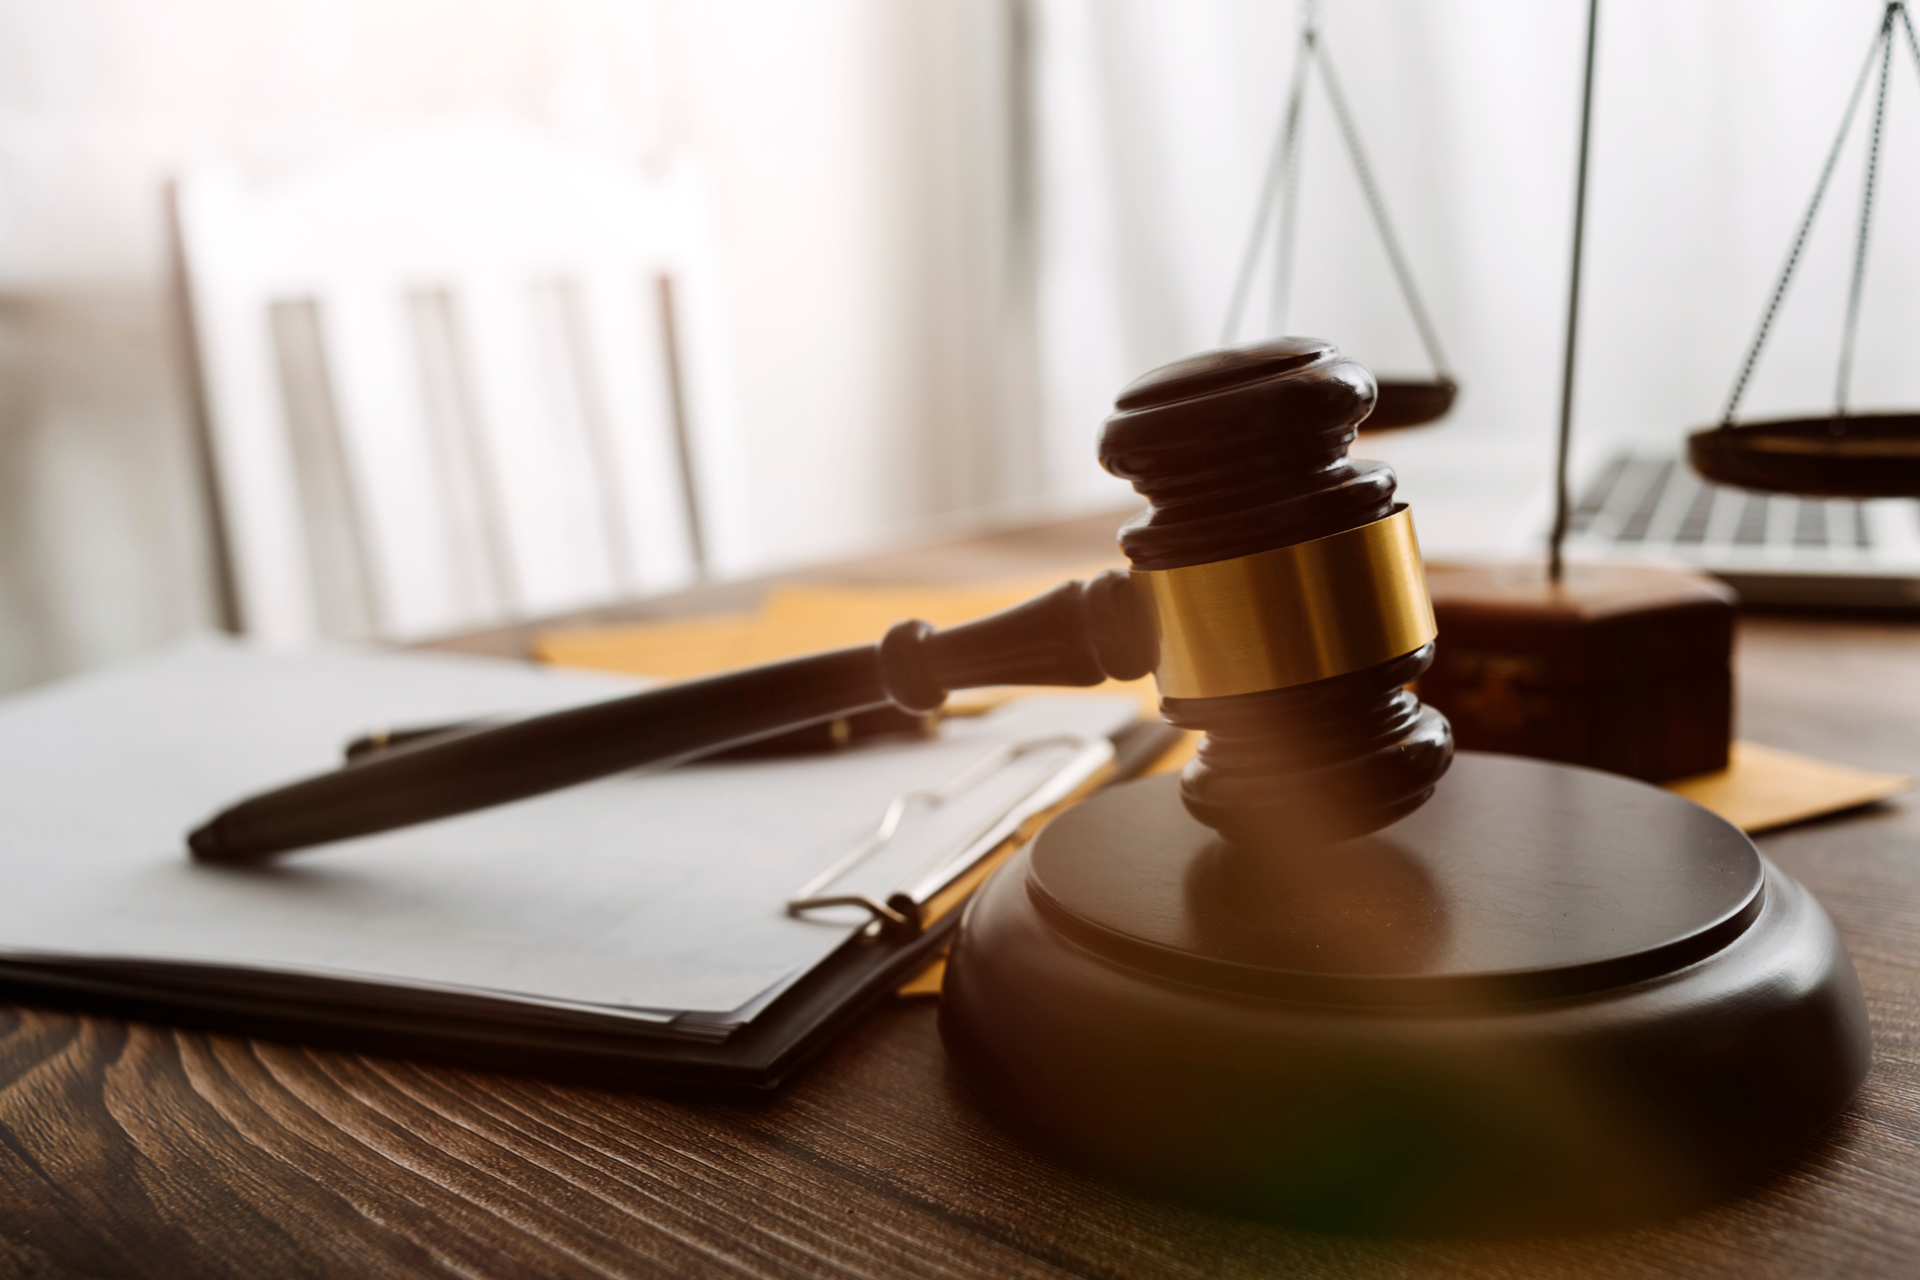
657	894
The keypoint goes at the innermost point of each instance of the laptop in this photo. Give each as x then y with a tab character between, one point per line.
1774	549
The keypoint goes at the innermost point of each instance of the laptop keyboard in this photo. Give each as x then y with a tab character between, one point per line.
1655	508
1648	502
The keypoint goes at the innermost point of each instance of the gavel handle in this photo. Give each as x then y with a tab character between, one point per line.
1076	634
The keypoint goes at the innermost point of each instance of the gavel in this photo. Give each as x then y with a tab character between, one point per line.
1275	593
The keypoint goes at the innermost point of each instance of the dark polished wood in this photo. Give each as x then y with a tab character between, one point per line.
1550	997
129	1149
1242	451
1433	912
1627	668
1411	402
1856	455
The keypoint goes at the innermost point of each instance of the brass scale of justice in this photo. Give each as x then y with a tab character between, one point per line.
1335	972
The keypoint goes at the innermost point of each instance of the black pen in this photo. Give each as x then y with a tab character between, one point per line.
836	734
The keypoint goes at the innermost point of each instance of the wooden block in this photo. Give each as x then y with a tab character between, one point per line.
1627	669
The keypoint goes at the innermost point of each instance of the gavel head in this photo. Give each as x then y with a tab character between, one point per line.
1284	591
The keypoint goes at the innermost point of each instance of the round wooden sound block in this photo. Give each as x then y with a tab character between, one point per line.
1549	997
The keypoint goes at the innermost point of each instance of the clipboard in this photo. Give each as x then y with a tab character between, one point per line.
755	1059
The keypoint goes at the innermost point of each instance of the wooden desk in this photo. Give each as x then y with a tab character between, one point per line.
130	1149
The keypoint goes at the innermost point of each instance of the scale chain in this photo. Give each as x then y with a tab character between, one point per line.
1278	164
1845	372
1364	171
1283	169
1813	208
1290	198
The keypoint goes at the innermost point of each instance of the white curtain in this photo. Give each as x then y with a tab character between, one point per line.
1712	119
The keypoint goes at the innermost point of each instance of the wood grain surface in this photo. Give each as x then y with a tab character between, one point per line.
129	1149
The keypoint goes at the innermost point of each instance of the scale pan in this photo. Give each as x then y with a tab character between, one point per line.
1409	402
1877	455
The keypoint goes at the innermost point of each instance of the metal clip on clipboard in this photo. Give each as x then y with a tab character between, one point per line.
905	909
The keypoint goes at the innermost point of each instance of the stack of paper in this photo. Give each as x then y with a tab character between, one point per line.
655	899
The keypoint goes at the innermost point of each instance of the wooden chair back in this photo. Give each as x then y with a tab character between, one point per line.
459	376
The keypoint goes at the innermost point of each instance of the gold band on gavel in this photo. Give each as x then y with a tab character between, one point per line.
1291	615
